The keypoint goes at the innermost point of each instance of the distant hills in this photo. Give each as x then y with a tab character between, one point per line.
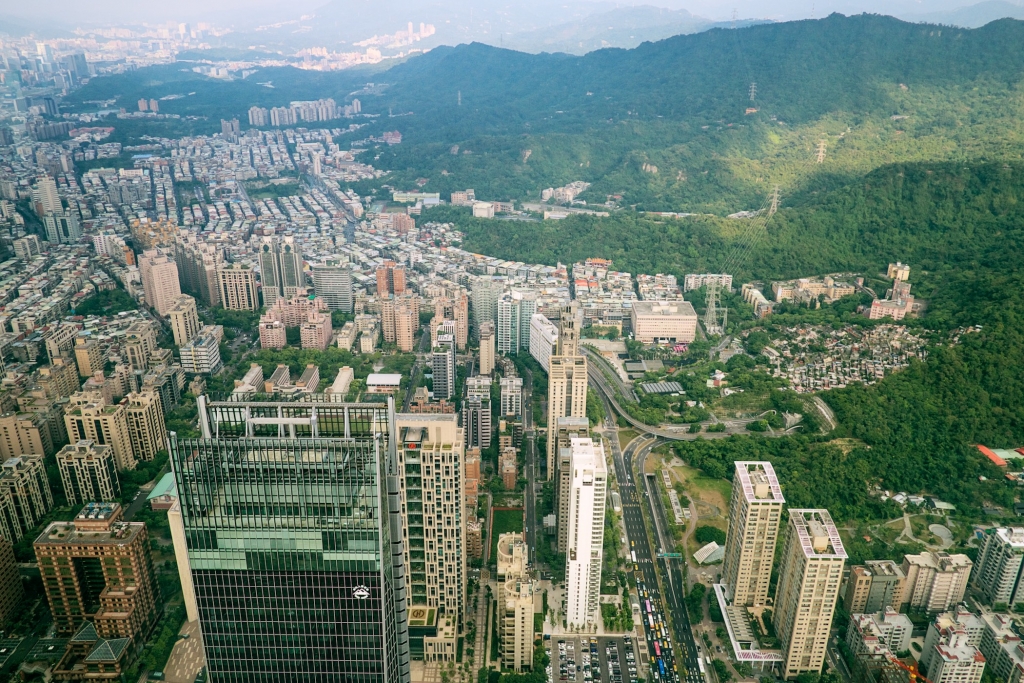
972	16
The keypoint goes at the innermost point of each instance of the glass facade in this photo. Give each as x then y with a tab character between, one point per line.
293	526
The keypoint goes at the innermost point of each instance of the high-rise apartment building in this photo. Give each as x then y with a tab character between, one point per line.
454	306
875	586
159	280
476	420
90	418
88	356
585	544
332	282
25	496
567	377
281	269
517	600
486	334
390	279
27	247
24	434
11	588
442	362
515	310
754	514
62	227
565	430
237	284
45	197
485	292
810	573
407	322
430	462
316	332
197	267
511	397
936	581
287	591
1000	561
184	317
146	430
543	339
88	472
99	569
201	356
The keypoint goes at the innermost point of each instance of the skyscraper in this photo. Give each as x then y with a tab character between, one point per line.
293	525
280	269
146	430
88	472
45	197
237	284
184	319
585	543
487	347
999	566
754	514
566	429
430	461
159	280
332	282
809	578
442	361
515	309
567	378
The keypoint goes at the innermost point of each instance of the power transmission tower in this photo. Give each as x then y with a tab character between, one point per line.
821	151
775	204
711	314
753	91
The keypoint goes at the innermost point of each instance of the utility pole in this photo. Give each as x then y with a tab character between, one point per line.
821	151
753	91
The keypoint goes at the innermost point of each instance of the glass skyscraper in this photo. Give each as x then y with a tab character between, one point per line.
292	516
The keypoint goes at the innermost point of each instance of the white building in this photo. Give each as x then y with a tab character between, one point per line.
543	339
512	396
202	354
955	660
958	619
515	310
442	362
998	576
935	580
332	282
585	549
888	627
664	321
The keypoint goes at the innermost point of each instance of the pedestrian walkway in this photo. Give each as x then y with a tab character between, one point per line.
187	656
483	625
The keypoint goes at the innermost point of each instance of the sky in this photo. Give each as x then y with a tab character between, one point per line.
242	13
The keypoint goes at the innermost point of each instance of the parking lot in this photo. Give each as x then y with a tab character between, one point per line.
592	659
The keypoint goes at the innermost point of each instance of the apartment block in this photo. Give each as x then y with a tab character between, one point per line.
184	317
442	362
25	495
511	397
201	356
585	545
476	421
390	278
876	585
99	569
887	627
147	432
936	581
90	418
88	356
517	603
11	588
88	472
809	578
24	434
315	332
237	284
998	576
486	347
566	430
957	620
754	513
159	280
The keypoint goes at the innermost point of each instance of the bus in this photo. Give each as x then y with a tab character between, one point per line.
700	665
661	667
657	649
648	603
632	553
650	620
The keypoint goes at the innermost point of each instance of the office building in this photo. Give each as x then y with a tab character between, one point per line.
88	472
430	453
390	279
442	363
146	430
342	592
159	280
585	544
876	585
567	377
663	322
517	603
90	418
486	348
11	588
281	269
512	397
237	284
566	430
184	319
754	514
809	576
935	580
201	356
62	228
543	339
24	434
998	577
100	570
332	282
25	496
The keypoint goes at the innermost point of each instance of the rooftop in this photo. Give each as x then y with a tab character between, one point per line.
817	534
758	480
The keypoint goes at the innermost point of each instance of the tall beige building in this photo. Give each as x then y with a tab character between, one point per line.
11	588
90	418
754	514
567	378
517	603
935	581
25	495
486	347
407	321
430	461
140	344
197	266
809	578
146	430
184	317
24	434
88	472
566	429
237	284
88	356
159	279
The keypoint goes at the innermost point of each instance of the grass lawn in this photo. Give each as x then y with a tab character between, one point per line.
625	436
502	522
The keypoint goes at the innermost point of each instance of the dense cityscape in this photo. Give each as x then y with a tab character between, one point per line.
271	413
